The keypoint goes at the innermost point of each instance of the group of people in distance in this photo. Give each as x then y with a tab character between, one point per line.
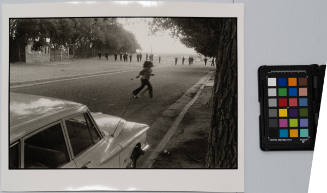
206	60
150	57
191	60
106	55
139	57
128	57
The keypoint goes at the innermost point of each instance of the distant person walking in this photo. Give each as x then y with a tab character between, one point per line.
189	60
205	61
176	60
130	57
99	55
145	75
137	57
121	56
213	62
151	57
125	57
183	60
115	55
107	56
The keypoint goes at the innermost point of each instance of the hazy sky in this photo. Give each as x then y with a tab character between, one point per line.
161	42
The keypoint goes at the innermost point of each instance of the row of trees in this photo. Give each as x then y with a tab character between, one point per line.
83	36
214	37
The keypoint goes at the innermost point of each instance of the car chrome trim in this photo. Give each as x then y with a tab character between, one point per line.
145	147
97	128
67	140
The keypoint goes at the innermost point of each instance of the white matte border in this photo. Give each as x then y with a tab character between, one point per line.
211	180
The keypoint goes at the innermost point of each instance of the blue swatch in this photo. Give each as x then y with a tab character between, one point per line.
283	133
304	123
282	82
292	91
303	102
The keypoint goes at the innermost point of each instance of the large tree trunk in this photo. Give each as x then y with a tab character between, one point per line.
222	150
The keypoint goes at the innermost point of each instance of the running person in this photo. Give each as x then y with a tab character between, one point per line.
145	79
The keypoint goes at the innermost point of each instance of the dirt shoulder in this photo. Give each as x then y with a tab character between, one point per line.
188	147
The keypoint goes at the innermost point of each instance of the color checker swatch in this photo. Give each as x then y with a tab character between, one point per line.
288	107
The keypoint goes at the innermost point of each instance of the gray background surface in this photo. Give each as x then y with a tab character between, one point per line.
277	32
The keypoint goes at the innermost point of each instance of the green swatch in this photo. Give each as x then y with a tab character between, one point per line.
303	112
282	91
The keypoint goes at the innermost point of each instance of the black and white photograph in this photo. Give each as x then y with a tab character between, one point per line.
124	93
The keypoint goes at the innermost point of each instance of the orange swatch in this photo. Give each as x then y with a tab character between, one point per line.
292	82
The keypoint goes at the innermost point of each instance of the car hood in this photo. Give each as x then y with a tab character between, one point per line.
112	125
108	123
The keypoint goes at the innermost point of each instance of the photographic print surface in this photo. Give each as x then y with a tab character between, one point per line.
122	93
138	94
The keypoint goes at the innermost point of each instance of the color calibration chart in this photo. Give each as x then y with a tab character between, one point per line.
289	99
288	107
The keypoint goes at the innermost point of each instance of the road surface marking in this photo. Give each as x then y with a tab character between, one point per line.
66	79
172	130
90	75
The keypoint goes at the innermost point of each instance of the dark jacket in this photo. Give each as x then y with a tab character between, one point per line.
146	73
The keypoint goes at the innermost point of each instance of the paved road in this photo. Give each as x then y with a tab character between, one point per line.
111	93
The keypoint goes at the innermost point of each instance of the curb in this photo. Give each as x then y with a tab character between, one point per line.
172	110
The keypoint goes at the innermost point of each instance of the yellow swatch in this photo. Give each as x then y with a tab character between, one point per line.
282	112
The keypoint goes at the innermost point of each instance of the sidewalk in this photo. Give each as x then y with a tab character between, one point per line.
22	73
188	147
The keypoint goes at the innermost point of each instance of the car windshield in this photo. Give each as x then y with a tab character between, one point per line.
82	133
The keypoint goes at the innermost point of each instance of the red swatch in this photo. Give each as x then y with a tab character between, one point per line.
282	102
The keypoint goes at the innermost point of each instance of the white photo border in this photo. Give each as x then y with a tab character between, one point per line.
209	180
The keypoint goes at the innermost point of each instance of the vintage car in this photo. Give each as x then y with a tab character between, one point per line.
52	133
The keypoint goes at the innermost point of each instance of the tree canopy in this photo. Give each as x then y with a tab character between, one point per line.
76	33
202	34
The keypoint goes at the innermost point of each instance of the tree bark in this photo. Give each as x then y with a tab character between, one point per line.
222	150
